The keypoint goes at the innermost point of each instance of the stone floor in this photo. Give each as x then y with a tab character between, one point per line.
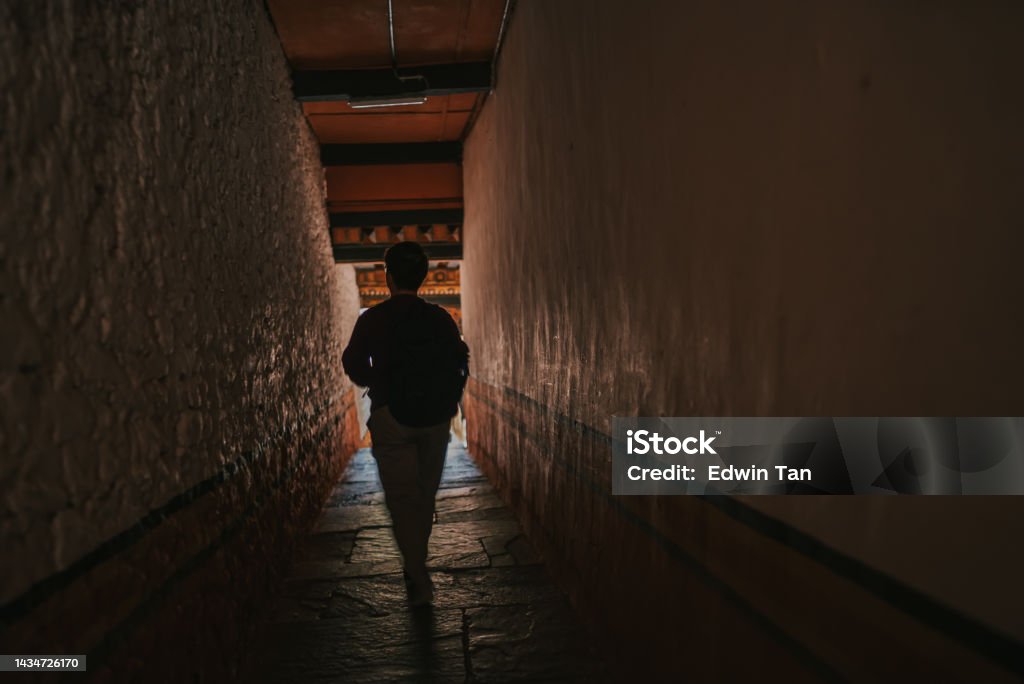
342	615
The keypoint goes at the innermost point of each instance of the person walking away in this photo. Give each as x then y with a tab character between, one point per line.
410	355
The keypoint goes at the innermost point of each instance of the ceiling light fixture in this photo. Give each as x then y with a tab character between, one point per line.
412	96
397	101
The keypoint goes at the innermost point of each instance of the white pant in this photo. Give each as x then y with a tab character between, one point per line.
410	461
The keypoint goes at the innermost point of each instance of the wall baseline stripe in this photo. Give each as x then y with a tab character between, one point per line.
1000	648
120	633
42	590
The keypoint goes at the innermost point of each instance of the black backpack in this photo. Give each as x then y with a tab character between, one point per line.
426	372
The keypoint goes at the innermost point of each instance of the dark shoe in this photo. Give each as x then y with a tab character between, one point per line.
420	589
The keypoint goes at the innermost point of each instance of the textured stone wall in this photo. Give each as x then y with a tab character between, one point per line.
172	405
705	208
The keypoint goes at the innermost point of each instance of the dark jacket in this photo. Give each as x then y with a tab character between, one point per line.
366	357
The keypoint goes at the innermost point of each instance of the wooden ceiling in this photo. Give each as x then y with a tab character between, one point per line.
352	34
340	49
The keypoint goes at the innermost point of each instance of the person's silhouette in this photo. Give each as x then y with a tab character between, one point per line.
411	356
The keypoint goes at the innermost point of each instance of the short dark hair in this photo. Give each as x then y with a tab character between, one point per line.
407	263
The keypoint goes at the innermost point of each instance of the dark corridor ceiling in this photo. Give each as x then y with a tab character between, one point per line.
351	38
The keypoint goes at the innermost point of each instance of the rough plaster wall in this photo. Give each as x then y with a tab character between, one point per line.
753	209
169	301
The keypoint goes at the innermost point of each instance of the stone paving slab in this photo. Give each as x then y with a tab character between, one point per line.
342	615
352	518
528	640
399	646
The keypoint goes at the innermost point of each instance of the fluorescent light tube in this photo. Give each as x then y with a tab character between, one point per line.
370	103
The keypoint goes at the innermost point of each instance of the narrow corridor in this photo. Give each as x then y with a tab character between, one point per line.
342	614
692	213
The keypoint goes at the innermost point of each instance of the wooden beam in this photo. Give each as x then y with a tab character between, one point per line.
431	80
408	217
393	186
393	153
349	254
